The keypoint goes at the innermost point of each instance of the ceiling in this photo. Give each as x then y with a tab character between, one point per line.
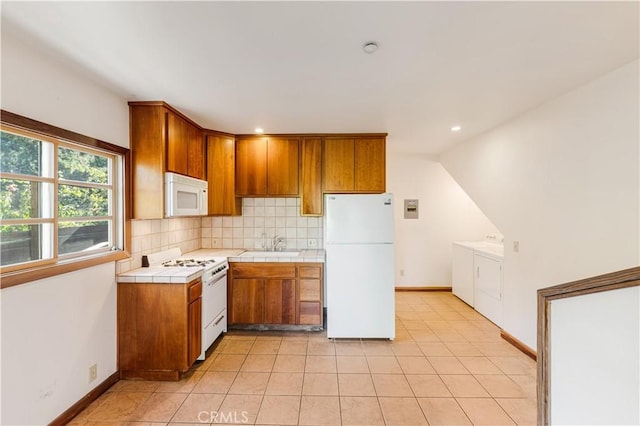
299	67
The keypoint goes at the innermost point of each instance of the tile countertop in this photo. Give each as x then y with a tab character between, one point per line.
312	256
161	274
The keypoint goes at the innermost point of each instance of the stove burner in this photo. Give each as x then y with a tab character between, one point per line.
188	262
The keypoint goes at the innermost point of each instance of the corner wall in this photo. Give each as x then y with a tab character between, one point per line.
54	329
562	180
446	214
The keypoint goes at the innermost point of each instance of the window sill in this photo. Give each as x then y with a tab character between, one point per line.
14	278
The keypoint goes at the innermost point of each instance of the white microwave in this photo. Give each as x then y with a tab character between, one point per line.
185	196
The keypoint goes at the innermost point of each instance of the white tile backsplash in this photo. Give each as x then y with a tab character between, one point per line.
152	236
262	219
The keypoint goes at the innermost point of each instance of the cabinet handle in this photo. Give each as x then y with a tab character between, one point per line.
478	271
216	322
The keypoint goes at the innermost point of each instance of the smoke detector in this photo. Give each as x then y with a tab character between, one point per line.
370	46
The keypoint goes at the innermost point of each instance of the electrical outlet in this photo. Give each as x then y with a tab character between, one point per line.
516	246
93	372
311	243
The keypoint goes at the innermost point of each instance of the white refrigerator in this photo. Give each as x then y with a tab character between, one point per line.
359	266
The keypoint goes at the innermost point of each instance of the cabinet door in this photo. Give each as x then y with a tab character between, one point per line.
338	167
251	166
370	165
280	301
177	144
282	166
311	181
247	301
195	153
195	330
147	125
221	169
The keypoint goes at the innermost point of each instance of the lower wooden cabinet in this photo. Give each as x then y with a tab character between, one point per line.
159	329
275	293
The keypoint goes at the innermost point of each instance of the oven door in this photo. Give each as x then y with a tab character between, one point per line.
214	310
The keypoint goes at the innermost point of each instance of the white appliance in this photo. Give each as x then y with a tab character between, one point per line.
477	275
185	196
214	289
359	266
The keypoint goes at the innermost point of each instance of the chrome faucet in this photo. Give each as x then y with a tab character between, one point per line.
277	243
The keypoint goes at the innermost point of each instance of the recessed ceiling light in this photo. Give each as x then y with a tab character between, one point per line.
259	130
370	47
456	128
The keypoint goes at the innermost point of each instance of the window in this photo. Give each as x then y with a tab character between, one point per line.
59	200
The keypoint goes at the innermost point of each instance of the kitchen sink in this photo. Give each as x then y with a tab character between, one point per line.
270	254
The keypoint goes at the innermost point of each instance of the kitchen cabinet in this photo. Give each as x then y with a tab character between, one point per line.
159	329
275	293
162	140
267	166
310	285
185	147
221	170
488	286
311	177
354	165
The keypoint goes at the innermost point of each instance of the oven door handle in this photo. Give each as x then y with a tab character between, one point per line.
217	321
217	278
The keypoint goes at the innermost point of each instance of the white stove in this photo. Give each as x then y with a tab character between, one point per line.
214	289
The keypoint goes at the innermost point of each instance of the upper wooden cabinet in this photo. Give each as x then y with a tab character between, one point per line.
354	164
267	166
311	177
221	169
185	147
162	140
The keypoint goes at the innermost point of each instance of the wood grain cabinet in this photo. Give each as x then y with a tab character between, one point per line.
267	166
162	140
221	174
354	165
185	147
275	293
311	177
159	329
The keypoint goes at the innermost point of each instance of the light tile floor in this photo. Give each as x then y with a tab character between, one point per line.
447	366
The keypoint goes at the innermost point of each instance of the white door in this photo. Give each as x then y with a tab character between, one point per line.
360	291
462	273
488	287
366	218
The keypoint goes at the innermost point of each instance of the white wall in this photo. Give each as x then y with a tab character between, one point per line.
54	329
594	345
446	214
562	180
36	86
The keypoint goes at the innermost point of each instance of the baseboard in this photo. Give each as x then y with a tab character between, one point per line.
423	288
519	345
86	400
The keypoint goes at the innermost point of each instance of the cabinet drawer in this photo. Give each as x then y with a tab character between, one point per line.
263	270
310	313
310	290
195	290
309	271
